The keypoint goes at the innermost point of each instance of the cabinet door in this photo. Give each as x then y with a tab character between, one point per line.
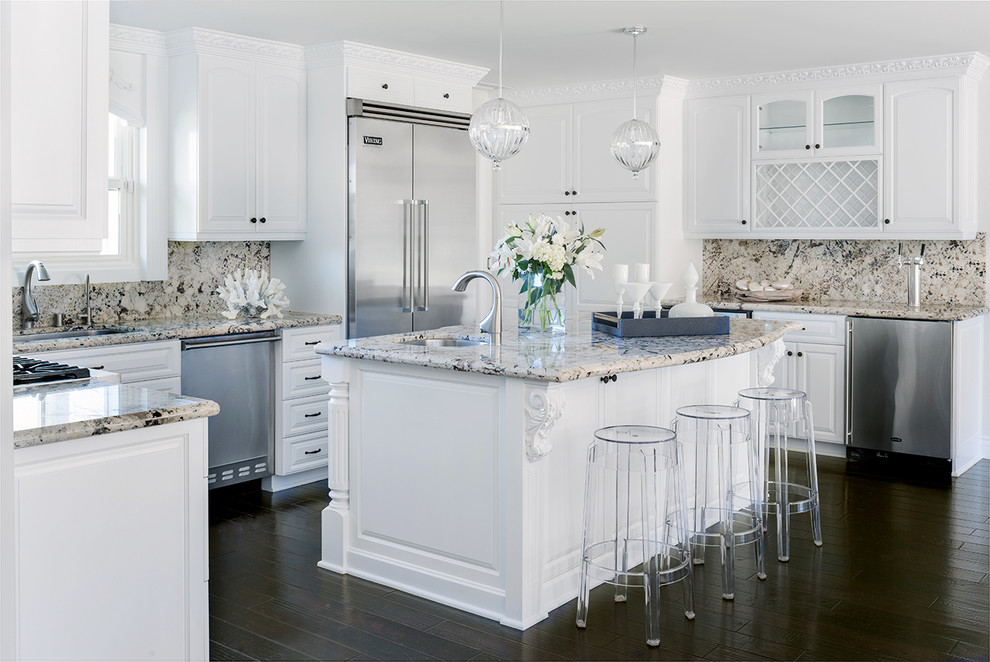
783	125
848	121
919	155
597	176
540	172
281	179
784	373
228	144
58	119
820	372
632	399
717	166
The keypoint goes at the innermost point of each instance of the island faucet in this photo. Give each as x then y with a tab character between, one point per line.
88	315
29	307
492	324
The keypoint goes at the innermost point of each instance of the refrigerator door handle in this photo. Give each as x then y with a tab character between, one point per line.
849	382
424	243
408	246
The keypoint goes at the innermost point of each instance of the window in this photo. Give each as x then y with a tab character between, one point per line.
121	207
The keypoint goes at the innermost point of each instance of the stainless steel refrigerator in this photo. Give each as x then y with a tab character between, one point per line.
412	227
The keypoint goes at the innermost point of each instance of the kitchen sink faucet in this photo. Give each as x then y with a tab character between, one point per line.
492	324
88	315
29	307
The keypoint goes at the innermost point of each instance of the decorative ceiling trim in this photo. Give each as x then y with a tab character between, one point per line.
349	53
667	85
211	42
137	40
961	63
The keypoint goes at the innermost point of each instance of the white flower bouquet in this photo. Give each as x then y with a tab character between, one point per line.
252	294
542	253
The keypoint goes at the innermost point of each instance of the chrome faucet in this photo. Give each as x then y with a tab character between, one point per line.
29	307
88	315
914	274
492	324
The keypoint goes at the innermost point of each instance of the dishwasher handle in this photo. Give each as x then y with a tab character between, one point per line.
235	339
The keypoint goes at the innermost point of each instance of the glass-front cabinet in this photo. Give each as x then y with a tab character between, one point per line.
813	124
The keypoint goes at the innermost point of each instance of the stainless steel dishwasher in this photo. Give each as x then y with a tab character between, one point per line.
237	372
899	387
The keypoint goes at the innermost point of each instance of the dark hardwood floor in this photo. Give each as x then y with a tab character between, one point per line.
903	575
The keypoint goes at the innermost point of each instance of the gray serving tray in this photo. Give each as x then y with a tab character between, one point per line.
651	325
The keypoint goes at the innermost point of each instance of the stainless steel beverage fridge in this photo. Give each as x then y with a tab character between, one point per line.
412	226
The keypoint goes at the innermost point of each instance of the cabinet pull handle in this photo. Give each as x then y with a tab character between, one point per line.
807	146
312	342
744	221
573	192
96	367
318	450
254	220
886	221
384	86
567	192
446	95
262	219
311	378
818	146
312	415
800	353
607	378
790	353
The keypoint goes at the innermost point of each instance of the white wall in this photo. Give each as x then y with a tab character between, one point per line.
983	211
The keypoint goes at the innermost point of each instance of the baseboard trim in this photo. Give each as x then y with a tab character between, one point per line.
279	483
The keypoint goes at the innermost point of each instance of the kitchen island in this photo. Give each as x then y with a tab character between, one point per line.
110	543
457	473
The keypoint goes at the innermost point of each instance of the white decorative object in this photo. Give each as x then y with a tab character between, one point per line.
498	129
767	358
620	276
252	294
659	291
635	144
640	273
691	307
636	292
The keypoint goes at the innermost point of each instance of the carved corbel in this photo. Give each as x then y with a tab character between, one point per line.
544	407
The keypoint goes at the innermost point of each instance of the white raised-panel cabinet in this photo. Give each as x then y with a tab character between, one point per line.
111	548
783	124
238	146
716	176
930	165
567	157
59	100
154	365
815	363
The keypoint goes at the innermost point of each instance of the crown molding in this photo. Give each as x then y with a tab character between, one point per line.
973	64
665	85
349	53
137	40
211	42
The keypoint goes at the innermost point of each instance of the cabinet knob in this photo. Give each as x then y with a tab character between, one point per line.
800	353
446	95
573	192
254	220
817	146
384	86
567	192
744	221
262	219
607	378
886	221
807	146
790	353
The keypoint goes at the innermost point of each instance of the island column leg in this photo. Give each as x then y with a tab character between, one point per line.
336	516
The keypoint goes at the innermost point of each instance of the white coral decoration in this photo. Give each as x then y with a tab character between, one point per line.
253	295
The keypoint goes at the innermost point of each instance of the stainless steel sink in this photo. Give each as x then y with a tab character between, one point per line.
444	342
71	333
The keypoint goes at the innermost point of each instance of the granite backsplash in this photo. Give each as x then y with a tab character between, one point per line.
195	270
848	269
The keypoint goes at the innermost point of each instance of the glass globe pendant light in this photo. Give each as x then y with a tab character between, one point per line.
635	144
498	129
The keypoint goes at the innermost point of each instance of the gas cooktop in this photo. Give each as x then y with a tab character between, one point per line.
35	371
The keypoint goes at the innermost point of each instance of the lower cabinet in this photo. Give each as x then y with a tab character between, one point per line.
154	365
301	409
111	546
815	363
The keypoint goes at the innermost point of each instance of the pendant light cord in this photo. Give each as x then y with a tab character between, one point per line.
501	20
634	75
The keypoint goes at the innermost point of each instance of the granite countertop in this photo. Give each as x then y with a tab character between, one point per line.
169	328
48	413
579	353
927	311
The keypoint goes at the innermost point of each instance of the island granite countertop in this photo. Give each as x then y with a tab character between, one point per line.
47	413
168	328
944	312
579	353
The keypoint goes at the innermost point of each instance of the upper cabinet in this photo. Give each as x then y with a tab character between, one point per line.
59	100
832	122
404	90
238	147
892	159
567	158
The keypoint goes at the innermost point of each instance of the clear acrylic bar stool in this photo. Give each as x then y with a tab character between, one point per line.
777	414
635	526
724	494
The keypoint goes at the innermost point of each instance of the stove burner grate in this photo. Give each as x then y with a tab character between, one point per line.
37	371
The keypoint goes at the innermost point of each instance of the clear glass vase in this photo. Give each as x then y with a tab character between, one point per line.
542	304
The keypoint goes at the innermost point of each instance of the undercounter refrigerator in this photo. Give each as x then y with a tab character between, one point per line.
412	227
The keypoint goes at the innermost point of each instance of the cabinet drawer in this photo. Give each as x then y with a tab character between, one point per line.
828	329
302	378
299	343
431	94
304	415
306	452
368	84
136	362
